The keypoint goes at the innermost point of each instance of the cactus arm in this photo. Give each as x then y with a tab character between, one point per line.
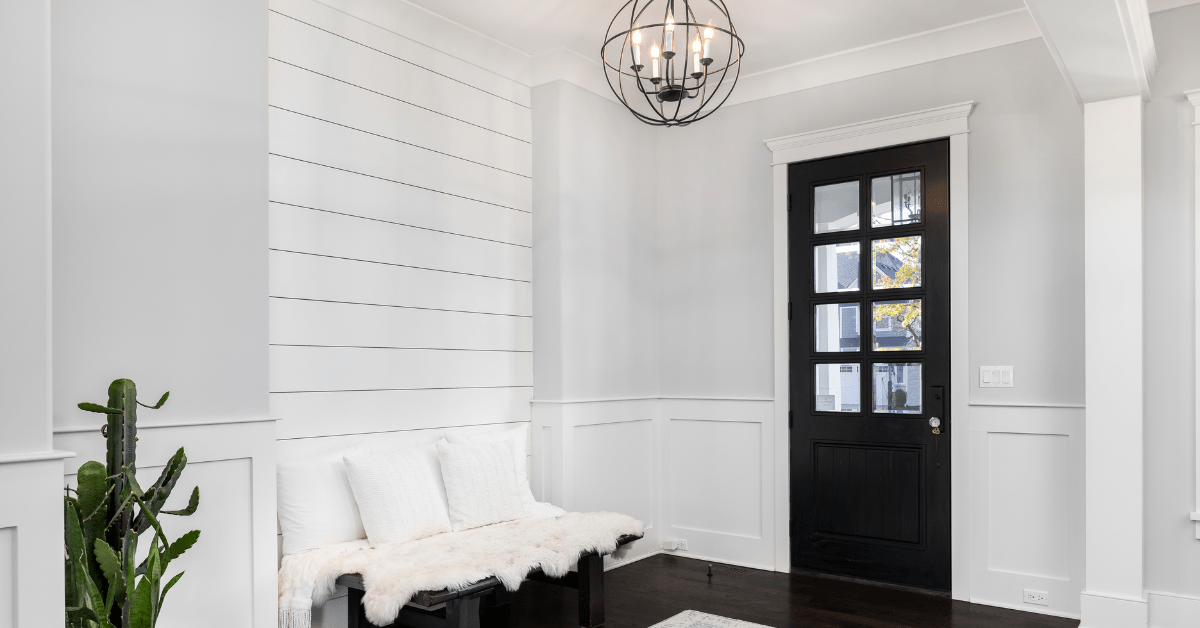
95	407
193	503
161	401
92	501
140	612
156	496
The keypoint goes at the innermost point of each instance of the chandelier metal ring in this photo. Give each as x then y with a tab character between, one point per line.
657	87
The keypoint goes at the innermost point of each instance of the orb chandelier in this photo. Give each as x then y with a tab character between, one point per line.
666	65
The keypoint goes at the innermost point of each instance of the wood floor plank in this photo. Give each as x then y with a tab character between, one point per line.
646	592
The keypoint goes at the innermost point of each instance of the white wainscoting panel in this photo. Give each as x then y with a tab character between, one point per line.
8	571
718	479
600	455
1027	526
401	246
234	560
31	538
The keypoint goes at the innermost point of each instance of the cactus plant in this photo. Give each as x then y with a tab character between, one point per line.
106	587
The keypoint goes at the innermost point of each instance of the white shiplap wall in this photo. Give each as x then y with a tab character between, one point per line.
400	229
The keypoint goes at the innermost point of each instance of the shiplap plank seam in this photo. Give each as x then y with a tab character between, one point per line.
400	224
368	261
411	185
323	346
401	100
399	141
409	307
401	59
347	390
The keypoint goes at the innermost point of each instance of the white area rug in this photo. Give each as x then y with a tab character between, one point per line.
696	619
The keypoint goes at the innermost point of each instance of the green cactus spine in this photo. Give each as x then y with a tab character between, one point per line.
105	586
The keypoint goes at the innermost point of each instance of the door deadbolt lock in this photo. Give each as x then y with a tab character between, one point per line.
936	424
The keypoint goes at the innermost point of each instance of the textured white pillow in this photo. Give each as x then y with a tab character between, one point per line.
398	494
519	437
481	485
316	505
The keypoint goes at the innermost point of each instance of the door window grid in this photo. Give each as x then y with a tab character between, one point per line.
894	264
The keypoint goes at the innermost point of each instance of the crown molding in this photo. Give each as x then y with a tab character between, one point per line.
1193	97
993	31
899	129
564	64
984	33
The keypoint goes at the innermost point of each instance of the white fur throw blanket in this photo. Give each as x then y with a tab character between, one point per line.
392	574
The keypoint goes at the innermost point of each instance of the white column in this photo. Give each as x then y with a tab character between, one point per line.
31	567
1194	98
1114	594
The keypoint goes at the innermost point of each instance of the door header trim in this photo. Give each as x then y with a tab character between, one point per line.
905	128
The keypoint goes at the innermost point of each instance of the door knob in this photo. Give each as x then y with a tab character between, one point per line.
936	424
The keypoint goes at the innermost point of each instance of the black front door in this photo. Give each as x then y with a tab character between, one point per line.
869	241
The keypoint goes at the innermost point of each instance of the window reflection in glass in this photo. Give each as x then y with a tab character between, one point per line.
896	262
896	200
835	267
836	326
896	325
897	388
837	388
835	207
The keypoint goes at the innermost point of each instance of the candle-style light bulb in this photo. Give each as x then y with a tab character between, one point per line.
654	58
708	35
636	38
696	54
669	35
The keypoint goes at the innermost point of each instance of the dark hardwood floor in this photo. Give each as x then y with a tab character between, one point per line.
646	592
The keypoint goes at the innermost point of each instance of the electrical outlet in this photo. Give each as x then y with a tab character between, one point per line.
681	544
675	544
1041	598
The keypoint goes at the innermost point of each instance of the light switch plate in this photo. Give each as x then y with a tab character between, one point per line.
995	377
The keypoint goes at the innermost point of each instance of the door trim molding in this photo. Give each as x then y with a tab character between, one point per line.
1193	97
949	121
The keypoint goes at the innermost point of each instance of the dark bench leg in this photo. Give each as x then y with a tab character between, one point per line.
590	571
354	609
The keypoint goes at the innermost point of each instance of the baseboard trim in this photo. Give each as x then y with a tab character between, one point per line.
1106	611
1026	608
630	561
1172	610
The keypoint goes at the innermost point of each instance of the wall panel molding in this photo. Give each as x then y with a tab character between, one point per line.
233	463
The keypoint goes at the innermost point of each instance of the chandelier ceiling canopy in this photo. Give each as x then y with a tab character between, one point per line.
672	62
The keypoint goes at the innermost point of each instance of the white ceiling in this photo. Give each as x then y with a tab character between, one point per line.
776	32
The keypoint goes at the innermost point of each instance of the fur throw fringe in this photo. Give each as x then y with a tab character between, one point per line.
392	574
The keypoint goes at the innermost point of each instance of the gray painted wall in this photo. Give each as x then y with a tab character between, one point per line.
1172	550
1026	232
595	292
160	219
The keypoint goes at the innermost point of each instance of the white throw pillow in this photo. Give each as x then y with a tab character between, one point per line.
398	496
481	485
519	437
316	505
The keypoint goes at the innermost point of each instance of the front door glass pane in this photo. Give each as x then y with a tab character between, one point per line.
837	387
896	200
896	262
835	207
896	325
897	388
836	327
835	267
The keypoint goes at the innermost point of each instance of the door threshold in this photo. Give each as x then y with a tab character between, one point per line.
872	583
